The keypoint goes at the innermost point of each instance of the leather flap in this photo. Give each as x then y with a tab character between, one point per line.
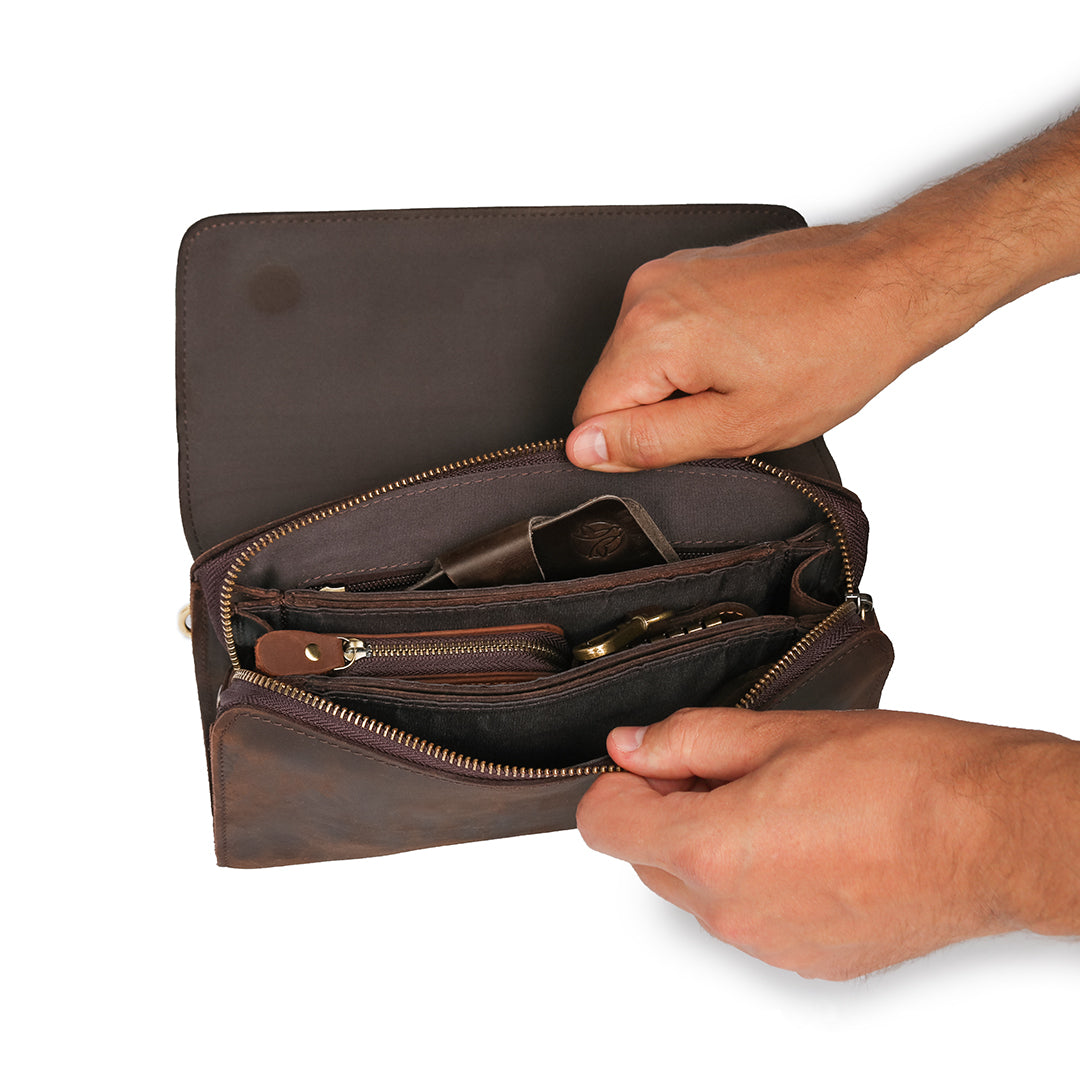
323	354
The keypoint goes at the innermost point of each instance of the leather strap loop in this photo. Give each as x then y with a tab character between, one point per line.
505	557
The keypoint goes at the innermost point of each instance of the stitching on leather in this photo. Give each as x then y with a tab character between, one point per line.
439	602
330	575
428	487
361	217
303	582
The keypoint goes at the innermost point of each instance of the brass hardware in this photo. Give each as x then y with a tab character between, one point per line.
184	620
313	653
637	626
864	603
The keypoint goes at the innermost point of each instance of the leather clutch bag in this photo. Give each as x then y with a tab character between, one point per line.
394	653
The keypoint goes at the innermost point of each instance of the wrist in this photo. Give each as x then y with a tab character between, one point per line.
1039	864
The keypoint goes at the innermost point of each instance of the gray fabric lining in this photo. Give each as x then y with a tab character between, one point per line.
560	720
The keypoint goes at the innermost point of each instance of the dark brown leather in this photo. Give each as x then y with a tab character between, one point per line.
504	557
319	355
602	536
299	652
323	354
285	794
852	677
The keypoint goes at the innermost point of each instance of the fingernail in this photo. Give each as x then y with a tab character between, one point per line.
627	739
589	446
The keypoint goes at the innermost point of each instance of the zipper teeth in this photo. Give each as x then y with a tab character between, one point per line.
833	520
264	541
500	645
414	742
830	620
795	652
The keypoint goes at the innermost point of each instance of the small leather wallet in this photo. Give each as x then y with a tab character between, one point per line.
394	653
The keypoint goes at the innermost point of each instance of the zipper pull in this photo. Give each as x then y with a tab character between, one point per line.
300	652
864	603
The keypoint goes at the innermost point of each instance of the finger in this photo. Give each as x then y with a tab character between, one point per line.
703	425
623	816
717	744
623	381
668	887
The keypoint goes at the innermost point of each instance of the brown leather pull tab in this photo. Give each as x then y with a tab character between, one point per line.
298	652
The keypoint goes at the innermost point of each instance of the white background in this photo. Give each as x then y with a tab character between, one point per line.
129	951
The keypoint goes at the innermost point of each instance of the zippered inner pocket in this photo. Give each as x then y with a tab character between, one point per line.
561	720
493	654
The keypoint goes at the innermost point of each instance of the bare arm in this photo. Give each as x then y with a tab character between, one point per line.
778	339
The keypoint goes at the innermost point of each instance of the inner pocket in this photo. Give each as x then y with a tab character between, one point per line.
563	720
759	577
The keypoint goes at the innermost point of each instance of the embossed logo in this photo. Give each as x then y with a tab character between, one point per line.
597	539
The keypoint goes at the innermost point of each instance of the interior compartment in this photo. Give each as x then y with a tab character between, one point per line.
780	559
760	577
563	720
711	505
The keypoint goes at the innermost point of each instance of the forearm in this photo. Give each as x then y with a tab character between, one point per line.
980	239
774	341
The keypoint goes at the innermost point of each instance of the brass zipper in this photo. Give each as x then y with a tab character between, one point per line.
797	650
264	541
414	742
853	602
358	649
830	517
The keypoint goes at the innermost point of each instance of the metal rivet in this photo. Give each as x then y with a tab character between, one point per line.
312	652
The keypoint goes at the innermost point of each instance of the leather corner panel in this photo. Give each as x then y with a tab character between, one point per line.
851	678
284	794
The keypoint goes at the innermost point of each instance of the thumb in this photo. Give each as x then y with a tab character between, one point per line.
713	744
667	432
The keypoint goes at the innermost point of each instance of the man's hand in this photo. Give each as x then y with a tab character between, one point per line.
773	341
776	340
838	843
